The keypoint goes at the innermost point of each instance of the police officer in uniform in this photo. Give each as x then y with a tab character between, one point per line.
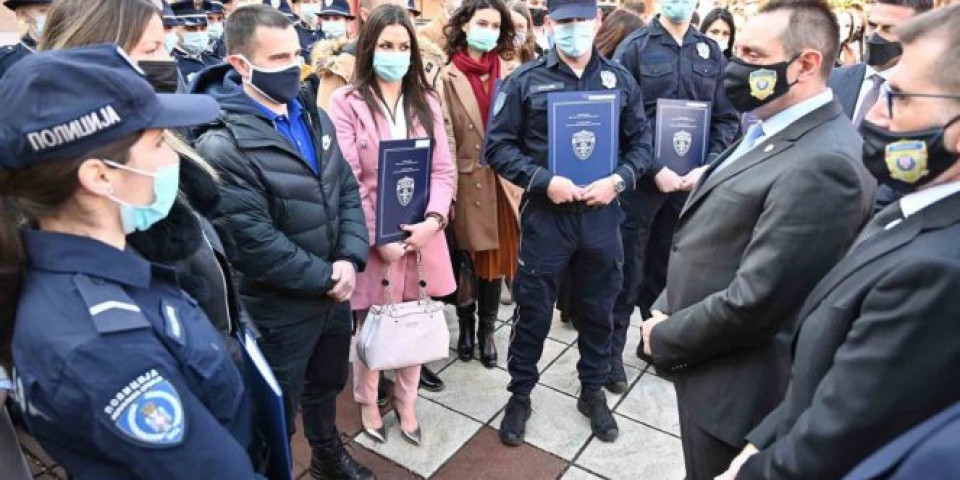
563	226
190	54
669	58
334	19
118	371
33	13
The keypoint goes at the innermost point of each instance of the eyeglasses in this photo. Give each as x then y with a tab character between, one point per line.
892	95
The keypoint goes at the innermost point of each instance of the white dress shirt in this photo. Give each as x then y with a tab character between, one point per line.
867	85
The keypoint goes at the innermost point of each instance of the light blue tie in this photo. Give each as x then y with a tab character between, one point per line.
754	133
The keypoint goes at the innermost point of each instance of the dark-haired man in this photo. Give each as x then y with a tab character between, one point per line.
858	87
876	348
768	219
293	206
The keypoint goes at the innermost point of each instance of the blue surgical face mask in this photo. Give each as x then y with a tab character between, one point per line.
215	30
166	182
391	66
195	42
170	40
574	39
334	28
482	39
41	22
678	11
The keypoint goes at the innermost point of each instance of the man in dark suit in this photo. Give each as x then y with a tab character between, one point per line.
769	219
927	451
877	351
858	87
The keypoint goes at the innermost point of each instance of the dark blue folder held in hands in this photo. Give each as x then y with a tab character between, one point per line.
268	402
403	186
683	131
584	134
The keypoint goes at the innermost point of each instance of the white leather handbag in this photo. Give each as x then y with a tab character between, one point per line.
398	335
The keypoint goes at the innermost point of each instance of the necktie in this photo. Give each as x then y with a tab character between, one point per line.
870	100
878	223
754	133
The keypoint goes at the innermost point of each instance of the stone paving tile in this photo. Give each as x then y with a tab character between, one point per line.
444	432
555	426
551	348
577	473
652	401
639	453
473	390
562	375
484	457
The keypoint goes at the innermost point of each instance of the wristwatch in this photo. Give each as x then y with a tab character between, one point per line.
618	184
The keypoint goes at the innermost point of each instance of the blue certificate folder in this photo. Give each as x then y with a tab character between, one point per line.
403	186
268	402
683	132
584	136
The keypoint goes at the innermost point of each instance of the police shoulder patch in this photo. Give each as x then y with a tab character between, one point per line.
500	102
148	411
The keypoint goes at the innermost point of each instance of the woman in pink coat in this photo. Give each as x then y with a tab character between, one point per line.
390	99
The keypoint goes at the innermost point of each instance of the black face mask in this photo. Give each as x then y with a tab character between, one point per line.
279	85
539	16
905	161
606	10
750	86
881	51
162	74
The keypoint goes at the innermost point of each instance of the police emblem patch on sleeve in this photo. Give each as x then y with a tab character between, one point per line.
501	101
148	410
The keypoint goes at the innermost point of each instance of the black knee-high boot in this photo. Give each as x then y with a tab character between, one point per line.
488	305
467	317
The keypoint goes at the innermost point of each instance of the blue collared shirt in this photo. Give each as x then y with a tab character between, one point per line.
295	129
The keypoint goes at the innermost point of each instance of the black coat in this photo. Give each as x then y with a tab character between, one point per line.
289	223
876	353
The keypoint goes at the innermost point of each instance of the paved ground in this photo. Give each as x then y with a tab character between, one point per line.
460	424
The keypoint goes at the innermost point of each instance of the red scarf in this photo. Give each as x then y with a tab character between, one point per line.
489	64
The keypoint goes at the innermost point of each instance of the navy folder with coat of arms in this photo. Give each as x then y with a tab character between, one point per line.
403	186
683	128
584	130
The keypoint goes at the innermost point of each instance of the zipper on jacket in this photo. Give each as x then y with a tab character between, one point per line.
320	169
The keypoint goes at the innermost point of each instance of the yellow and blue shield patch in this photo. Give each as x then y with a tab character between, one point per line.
907	160
763	82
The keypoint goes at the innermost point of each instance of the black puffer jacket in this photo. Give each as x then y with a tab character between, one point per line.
289	223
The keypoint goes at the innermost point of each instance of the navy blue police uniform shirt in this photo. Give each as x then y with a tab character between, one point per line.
189	65
517	136
692	71
119	373
12	54
307	36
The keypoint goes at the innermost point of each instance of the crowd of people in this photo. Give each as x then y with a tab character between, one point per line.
179	179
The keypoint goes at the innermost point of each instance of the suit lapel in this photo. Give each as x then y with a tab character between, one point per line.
769	148
853	84
943	213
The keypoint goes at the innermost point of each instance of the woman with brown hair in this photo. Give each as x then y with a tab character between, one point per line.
186	238
119	371
524	39
620	23
391	99
481	50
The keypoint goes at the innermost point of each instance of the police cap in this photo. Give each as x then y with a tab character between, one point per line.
336	8
188	13
70	102
14	4
567	9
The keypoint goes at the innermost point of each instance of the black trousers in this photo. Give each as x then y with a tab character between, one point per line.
552	243
311	360
704	455
647	233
